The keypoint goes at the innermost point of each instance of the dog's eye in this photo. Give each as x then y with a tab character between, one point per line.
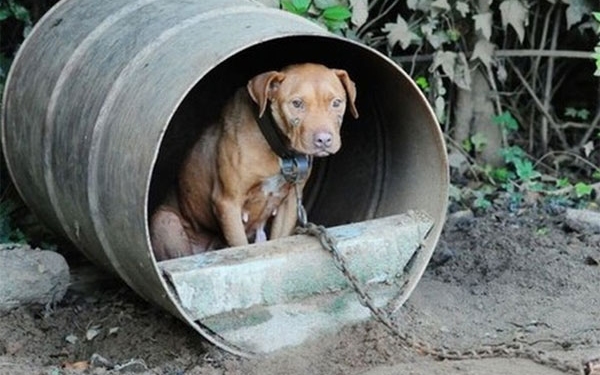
298	103
336	103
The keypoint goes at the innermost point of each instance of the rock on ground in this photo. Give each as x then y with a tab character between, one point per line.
31	276
584	221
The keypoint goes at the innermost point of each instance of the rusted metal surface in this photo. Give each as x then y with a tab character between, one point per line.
102	93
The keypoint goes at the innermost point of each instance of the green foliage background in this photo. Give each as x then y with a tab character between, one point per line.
441	43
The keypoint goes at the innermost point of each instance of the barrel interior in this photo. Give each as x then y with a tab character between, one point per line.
391	160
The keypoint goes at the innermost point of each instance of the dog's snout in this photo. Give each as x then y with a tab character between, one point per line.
323	139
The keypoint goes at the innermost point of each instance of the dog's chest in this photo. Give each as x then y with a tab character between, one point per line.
274	186
264	199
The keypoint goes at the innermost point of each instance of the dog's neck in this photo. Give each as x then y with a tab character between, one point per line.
294	166
279	143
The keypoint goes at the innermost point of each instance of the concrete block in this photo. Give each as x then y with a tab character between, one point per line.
31	276
278	293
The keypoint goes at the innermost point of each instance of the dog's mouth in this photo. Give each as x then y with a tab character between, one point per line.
321	153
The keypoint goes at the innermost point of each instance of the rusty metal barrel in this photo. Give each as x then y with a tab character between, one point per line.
104	97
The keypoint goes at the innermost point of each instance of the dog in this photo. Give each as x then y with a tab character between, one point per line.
232	188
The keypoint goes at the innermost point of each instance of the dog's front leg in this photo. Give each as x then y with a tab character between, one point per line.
285	220
229	215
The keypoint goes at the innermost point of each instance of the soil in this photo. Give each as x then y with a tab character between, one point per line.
504	278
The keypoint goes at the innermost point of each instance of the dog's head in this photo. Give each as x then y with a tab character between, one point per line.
308	102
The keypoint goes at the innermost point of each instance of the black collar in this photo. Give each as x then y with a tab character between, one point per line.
294	166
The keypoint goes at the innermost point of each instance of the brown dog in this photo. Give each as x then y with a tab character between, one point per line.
231	187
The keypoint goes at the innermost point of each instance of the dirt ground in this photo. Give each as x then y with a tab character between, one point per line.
500	279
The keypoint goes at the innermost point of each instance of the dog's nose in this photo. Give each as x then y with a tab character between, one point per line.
323	139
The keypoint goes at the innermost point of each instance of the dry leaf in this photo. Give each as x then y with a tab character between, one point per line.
71	339
399	32
441	4
462	73
576	11
484	50
514	13
455	67
360	12
12	347
483	23
445	59
588	148
80	365
462	8
440	108
422	5
92	333
501	72
435	38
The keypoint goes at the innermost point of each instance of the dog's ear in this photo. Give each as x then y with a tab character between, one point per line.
262	87
350	89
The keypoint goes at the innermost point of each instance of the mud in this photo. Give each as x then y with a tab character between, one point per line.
497	280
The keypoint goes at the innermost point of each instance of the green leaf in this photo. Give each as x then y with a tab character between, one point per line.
535	186
4	12
507	121
481	201
20	12
291	7
287	5
562	182
501	174
525	170
453	34
570	112
597	16
583	114
335	25
337	13
301	5
596	175
479	141
423	83
512	154
467	145
582	189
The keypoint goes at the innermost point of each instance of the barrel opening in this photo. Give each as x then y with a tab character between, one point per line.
388	162
105	157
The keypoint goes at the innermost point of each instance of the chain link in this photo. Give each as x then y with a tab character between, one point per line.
383	315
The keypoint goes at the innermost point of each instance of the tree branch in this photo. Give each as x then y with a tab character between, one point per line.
567	54
540	105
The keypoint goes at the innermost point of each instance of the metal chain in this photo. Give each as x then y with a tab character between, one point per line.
383	315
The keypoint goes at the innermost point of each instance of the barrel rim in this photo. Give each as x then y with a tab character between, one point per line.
416	270
313	32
